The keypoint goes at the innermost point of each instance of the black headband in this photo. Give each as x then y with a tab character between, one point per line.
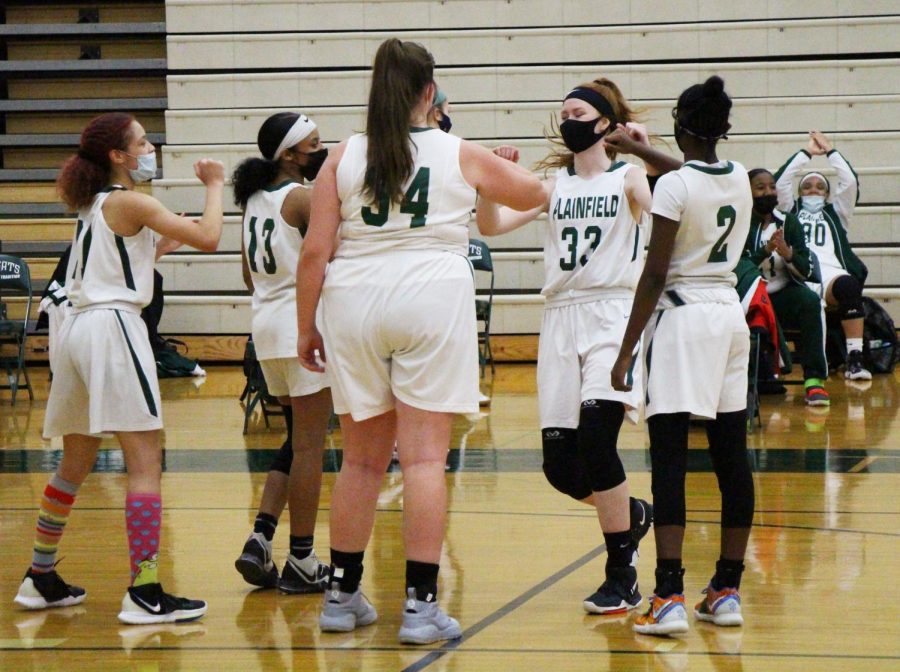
596	101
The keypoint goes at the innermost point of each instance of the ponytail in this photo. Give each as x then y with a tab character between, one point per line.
400	74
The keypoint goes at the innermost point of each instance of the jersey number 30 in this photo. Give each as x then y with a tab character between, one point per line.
725	217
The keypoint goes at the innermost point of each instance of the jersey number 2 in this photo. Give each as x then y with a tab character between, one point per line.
268	258
725	217
415	203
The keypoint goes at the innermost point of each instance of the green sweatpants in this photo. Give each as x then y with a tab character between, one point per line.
798	307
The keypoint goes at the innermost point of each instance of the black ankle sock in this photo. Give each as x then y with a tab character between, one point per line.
346	570
669	577
728	574
265	524
301	547
619	548
423	577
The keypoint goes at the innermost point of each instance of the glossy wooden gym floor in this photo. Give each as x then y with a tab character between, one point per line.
518	559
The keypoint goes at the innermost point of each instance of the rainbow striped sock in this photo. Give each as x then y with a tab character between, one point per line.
59	496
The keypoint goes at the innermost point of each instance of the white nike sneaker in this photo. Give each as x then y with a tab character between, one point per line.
301	577
150	604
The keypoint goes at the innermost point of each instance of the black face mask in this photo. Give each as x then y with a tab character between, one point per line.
764	205
579	135
314	161
445	124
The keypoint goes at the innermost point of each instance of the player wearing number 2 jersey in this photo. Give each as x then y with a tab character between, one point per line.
398	316
596	210
695	348
276	214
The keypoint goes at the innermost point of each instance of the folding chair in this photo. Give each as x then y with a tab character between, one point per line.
753	416
255	392
480	258
15	281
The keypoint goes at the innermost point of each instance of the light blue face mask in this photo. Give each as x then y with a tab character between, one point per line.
813	204
146	169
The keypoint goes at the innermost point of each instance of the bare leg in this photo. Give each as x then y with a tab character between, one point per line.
311	414
367	453
79	455
423	438
143	460
613	509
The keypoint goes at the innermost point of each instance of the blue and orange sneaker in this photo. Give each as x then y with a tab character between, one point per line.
666	616
721	607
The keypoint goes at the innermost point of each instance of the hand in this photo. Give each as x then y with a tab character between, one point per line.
210	171
812	146
309	345
823	142
507	152
620	370
637	132
620	141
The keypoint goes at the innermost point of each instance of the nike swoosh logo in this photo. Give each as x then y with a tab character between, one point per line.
310	578
153	609
643	515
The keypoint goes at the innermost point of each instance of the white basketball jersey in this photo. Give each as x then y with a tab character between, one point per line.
712	204
819	238
272	247
436	209
106	269
592	241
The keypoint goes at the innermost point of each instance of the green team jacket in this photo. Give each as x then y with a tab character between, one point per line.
800	268
838	210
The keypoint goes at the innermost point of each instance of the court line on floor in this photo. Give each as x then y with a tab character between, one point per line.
520	651
505	610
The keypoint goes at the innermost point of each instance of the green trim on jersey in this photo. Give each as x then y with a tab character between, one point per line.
709	170
126	262
420	129
613	167
280	185
142	379
112	187
85	250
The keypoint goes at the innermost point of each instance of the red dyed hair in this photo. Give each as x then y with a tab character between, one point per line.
84	174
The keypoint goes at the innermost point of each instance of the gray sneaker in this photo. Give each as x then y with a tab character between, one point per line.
426	622
345	612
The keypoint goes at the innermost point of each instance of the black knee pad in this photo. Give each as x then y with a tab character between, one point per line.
727	436
598	432
562	464
847	291
668	458
283	458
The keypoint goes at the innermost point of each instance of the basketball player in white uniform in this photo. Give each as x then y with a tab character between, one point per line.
398	315
696	347
593	254
826	217
275	203
105	373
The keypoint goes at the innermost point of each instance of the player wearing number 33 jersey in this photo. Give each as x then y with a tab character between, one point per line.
593	256
400	288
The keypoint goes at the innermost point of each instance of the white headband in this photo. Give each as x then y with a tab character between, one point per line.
815	174
300	130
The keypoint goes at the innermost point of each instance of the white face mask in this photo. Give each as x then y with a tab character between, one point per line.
146	169
813	204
